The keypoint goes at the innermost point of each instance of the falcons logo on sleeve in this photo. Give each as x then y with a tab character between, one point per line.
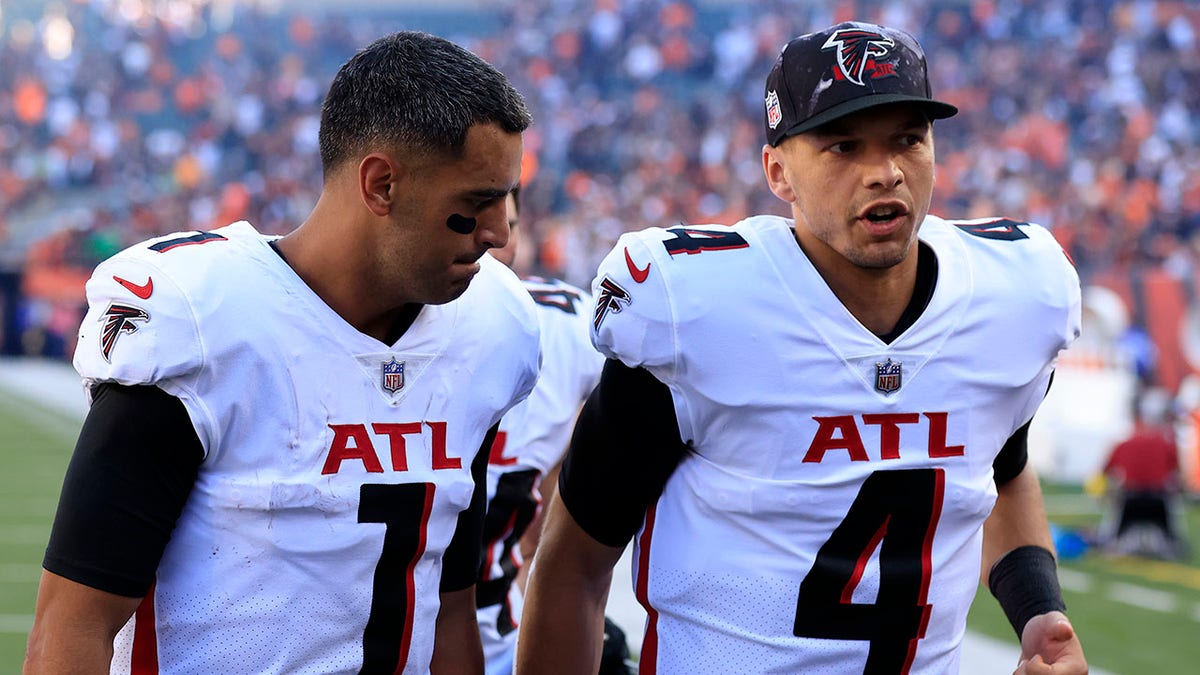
855	49
611	298
118	319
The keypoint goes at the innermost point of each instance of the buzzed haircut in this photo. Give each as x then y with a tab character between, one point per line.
417	91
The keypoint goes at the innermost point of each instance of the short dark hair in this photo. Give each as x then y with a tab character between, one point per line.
415	90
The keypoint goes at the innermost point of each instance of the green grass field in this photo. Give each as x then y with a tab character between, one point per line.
35	445
1134	616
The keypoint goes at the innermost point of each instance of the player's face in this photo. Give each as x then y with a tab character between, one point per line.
859	186
508	253
451	212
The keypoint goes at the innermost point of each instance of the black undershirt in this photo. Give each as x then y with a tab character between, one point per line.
135	462
628	435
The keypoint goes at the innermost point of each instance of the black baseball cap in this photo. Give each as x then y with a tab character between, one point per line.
843	69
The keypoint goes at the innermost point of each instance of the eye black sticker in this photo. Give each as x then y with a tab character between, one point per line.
460	224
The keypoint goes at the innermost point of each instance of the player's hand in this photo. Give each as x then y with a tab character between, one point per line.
1049	646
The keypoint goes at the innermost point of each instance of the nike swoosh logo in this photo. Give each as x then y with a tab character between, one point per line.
638	275
143	291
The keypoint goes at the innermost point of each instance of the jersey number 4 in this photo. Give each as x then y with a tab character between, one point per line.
388	635
897	512
693	240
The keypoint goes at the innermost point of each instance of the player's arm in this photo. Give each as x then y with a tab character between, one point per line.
457	649
586	365
625	446
1019	567
74	627
562	624
134	464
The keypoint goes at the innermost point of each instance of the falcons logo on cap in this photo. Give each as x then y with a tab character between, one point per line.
855	47
118	319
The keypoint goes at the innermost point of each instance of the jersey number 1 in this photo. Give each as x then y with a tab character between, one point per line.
896	511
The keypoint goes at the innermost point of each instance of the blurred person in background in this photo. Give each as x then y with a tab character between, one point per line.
1144	485
282	469
526	456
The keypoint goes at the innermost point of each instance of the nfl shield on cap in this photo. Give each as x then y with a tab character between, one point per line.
843	69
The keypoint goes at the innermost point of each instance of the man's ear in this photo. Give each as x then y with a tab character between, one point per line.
378	176
777	178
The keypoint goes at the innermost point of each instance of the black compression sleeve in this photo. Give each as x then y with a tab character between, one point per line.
1013	456
1025	582
134	465
460	566
625	446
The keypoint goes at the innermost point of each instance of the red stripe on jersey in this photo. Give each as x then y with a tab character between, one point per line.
144	658
863	559
497	546
649	656
935	514
410	581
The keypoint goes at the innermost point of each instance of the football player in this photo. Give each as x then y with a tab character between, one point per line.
528	448
814	428
282	467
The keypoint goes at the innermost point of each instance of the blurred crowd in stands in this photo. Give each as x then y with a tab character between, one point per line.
121	119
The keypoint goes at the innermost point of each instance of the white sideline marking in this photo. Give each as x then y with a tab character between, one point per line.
1140	596
50	383
1072	580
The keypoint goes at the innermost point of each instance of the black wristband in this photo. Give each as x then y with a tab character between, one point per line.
1025	582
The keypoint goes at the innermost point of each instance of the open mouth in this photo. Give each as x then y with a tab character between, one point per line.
882	218
884	213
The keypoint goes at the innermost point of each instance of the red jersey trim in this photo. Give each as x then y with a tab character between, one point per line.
144	657
649	656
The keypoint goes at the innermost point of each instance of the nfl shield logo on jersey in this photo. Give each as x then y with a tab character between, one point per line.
887	376
393	375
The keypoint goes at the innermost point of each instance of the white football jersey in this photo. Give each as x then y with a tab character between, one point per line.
829	517
532	439
335	465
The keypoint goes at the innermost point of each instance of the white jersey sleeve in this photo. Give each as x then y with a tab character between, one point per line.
118	341
1021	272
633	316
645	304
536	431
143	328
